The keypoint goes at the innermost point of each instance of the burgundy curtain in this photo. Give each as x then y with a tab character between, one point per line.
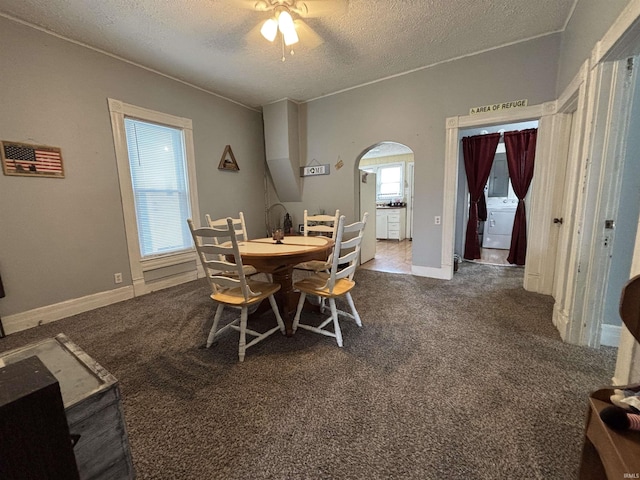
478	151
521	151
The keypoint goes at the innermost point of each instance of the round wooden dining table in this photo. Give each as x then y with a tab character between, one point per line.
278	260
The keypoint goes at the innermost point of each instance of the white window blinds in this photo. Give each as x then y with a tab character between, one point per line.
160	187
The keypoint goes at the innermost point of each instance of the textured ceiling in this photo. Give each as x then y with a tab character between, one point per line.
206	43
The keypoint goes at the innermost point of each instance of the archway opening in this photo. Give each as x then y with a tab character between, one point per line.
385	173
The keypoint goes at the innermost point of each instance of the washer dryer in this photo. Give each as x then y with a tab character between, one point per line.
497	228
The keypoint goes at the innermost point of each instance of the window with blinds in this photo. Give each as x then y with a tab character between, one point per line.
160	184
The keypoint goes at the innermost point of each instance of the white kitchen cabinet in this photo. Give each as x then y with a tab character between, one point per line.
391	223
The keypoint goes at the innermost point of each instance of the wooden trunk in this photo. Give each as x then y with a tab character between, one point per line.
92	404
34	435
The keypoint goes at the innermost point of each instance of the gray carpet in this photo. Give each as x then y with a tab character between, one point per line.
451	379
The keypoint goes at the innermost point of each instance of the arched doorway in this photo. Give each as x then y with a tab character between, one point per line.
385	186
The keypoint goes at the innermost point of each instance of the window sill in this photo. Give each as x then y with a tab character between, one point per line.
167	260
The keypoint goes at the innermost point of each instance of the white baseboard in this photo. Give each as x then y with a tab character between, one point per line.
443	273
610	335
561	321
532	282
51	313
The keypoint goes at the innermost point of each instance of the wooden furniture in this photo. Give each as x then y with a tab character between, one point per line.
336	283
216	247
322	225
1	296
238	225
278	260
92	404
609	453
390	223
34	435
241	234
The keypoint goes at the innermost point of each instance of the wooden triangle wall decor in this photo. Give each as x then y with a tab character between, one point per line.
228	160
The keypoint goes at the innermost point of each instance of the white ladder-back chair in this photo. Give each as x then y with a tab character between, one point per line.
214	247
238	225
324	225
241	234
338	282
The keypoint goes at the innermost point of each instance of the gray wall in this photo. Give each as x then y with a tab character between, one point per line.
411	109
64	238
590	21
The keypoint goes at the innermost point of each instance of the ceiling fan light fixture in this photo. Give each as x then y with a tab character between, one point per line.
287	28
269	29
290	38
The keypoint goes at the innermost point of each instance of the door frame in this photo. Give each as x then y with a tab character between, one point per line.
612	97
622	40
537	216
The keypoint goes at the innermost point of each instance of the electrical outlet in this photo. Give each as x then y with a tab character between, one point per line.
117	277
438	220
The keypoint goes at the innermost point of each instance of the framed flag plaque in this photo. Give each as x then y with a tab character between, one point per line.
31	160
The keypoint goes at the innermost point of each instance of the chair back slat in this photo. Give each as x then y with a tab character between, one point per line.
323	224
226	245
346	253
239	226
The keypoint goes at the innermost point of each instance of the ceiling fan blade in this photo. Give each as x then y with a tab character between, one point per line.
255	5
320	8
254	36
308	37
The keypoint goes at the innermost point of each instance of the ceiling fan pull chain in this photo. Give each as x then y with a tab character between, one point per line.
282	43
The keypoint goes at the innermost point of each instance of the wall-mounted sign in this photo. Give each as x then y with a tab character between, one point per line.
312	170
498	106
31	160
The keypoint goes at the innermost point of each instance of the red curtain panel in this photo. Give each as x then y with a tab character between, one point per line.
521	152
478	152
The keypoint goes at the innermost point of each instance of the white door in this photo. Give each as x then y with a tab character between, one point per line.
368	204
409	197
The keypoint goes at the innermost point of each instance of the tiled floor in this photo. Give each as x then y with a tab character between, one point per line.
395	257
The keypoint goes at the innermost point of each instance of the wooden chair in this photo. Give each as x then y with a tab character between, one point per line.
215	246
238	225
323	225
241	234
336	283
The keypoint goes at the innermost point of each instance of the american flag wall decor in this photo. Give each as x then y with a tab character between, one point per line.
31	160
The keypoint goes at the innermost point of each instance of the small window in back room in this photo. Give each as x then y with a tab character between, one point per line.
158	167
389	181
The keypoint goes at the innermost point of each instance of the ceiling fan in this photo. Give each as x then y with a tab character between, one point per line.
284	19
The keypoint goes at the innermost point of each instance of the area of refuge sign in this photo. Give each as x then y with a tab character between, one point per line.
498	106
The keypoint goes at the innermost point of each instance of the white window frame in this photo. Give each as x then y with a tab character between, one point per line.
400	194
139	265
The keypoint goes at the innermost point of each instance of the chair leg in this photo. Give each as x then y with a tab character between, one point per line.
274	307
323	304
296	319
243	333
336	325
353	309
214	327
